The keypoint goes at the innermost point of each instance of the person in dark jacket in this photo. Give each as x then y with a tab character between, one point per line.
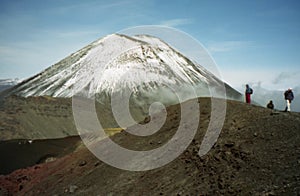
248	93
270	105
289	97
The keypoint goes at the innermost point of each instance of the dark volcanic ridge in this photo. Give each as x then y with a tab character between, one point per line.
257	153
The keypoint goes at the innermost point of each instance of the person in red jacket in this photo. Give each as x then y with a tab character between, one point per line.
248	93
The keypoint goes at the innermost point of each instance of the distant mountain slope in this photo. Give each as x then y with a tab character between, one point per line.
7	83
42	118
36	118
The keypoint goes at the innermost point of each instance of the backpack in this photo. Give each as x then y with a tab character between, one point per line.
249	90
286	94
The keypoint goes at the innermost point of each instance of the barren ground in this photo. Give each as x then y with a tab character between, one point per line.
257	153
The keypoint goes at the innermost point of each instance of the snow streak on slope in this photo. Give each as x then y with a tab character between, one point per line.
116	62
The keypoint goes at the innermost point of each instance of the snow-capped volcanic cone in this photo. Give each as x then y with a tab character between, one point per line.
116	62
132	78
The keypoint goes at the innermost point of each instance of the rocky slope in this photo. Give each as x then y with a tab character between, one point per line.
257	153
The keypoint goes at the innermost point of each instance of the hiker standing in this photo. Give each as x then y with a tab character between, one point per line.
289	96
270	105
248	93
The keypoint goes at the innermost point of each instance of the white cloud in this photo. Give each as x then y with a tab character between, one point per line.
287	77
176	22
90	5
72	33
259	77
226	46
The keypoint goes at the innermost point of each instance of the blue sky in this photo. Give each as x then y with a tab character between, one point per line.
255	42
